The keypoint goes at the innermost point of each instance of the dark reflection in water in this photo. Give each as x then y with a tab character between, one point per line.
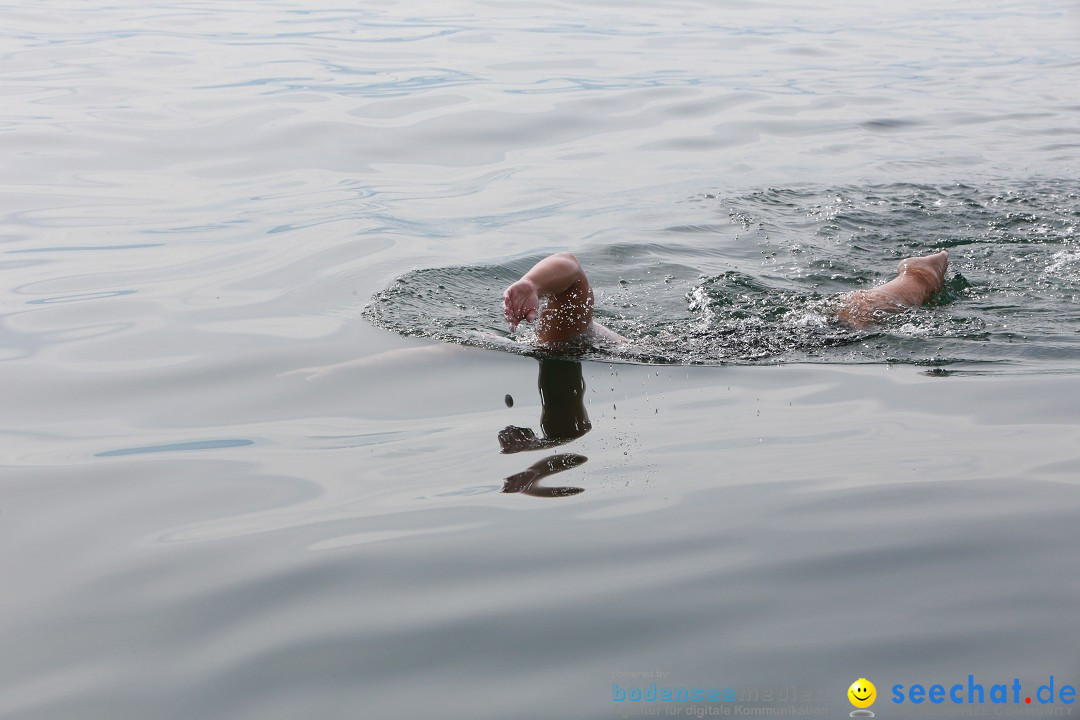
563	418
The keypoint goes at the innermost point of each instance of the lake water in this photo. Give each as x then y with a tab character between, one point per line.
268	452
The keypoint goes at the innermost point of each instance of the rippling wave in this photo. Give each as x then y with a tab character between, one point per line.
1010	295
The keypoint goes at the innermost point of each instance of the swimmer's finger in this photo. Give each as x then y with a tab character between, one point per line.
517	310
511	319
508	310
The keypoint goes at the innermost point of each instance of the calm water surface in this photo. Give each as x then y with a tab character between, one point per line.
243	474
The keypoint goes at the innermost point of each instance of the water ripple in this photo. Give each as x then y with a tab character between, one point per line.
790	250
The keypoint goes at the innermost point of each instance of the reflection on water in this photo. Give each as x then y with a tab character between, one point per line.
563	418
527	480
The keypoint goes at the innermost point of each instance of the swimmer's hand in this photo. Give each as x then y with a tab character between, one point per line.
521	302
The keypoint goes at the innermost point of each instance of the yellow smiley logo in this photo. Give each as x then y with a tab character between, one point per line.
862	693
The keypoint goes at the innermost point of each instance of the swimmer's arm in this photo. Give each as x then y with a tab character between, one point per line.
559	276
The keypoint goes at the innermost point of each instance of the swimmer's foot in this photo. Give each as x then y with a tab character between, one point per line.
917	280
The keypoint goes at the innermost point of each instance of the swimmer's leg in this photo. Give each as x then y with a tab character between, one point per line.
917	280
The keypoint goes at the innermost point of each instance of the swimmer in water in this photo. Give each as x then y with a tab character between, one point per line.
569	310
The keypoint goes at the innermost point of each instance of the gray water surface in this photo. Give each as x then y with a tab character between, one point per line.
225	492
